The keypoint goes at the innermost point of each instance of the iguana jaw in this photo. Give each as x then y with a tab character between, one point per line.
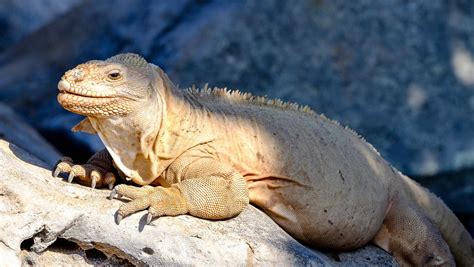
89	106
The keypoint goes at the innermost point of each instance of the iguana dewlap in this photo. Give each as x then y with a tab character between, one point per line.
211	152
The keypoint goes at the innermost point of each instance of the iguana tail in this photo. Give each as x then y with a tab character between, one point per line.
454	233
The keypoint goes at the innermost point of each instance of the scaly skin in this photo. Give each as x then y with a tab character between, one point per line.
211	152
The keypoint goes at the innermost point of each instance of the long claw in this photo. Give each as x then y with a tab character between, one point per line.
109	180
149	217
70	177
118	218
93	182
113	193
56	172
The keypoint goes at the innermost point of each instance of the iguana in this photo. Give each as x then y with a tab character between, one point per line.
210	152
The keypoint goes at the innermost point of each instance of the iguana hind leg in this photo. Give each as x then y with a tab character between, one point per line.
412	238
98	171
203	188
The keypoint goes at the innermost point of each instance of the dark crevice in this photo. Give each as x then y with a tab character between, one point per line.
334	255
27	243
95	254
148	251
68	145
64	244
92	256
39	241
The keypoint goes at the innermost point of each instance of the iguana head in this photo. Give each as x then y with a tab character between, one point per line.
114	87
124	98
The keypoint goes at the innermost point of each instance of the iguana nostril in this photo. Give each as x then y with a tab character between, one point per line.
78	75
63	85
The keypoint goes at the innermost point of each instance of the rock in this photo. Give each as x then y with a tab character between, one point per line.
14	129
457	191
390	70
44	220
18	18
29	81
372	66
366	257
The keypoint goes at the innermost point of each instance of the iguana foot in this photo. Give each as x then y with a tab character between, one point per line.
88	174
158	200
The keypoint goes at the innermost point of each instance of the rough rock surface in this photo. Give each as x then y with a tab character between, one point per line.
391	70
44	220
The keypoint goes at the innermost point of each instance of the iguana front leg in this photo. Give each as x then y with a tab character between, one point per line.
98	171
207	189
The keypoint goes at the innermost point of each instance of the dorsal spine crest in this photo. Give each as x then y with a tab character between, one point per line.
239	97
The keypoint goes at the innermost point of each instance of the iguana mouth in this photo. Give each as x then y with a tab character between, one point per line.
97	106
86	102
66	88
83	99
71	99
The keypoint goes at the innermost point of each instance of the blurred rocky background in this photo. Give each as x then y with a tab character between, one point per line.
400	73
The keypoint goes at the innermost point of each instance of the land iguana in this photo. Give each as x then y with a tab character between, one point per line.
210	152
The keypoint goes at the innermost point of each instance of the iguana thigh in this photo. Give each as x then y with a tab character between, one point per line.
321	218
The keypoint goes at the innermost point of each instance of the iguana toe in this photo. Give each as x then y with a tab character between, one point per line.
83	172
131	192
133	206
159	201
96	176
63	165
87	174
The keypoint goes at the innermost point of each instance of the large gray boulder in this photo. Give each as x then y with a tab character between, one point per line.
20	17
46	221
95	29
400	74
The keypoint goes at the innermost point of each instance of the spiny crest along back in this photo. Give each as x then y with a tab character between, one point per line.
237	96
129	59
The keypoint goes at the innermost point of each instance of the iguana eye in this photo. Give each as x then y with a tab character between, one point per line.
114	75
